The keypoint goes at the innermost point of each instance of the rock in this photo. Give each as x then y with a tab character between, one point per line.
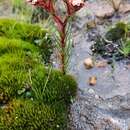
116	4
124	8
88	63
93	80
83	119
101	64
97	97
91	91
125	106
105	11
128	66
91	24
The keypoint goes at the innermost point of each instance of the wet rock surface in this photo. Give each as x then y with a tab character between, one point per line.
106	105
96	113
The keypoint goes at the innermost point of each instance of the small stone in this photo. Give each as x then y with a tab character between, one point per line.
97	97
86	102
124	8
83	119
93	80
110	105
105	12
125	106
78	55
91	24
88	63
116	4
101	64
91	91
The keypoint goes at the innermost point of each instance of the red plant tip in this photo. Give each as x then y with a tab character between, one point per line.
45	4
33	2
78	3
74	5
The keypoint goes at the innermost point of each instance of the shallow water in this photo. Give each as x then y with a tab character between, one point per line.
109	97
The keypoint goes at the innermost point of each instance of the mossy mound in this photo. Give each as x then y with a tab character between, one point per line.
30	115
16	59
21	66
27	32
32	96
15	46
58	86
20	30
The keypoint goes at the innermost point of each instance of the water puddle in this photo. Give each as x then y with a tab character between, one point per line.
104	106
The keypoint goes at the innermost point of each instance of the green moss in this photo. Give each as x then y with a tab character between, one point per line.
14	29
17	58
118	32
14	45
27	32
59	86
48	112
29	115
125	49
36	97
21	65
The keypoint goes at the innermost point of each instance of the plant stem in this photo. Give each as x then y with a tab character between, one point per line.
63	44
63	63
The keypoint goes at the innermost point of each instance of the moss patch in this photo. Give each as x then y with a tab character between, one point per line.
32	96
59	87
116	43
28	32
30	115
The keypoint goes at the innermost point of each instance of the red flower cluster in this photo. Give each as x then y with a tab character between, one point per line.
46	4
73	5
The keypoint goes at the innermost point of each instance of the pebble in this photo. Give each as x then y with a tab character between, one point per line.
83	119
97	97
91	91
124	8
105	12
116	4
92	80
101	64
88	63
